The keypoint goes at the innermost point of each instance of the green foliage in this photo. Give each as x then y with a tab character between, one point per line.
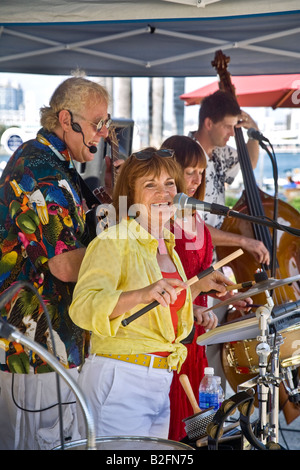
230	201
295	203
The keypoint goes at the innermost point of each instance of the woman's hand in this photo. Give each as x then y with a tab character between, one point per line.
163	291
243	304
216	282
206	319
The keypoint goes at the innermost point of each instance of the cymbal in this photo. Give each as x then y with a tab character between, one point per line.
240	330
259	287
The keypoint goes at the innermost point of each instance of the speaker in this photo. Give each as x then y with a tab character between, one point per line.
93	172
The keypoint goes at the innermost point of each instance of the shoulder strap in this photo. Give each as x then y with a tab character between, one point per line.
90	198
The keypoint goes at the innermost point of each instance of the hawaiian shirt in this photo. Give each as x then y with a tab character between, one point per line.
222	168
41	215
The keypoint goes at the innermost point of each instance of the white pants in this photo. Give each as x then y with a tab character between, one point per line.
23	430
126	399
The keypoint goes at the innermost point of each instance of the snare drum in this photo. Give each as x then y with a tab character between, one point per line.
242	356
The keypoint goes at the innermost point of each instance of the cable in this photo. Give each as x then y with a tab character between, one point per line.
34	411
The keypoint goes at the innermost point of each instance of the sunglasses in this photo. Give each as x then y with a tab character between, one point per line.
103	122
147	154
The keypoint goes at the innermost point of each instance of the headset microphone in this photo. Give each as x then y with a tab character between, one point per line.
77	128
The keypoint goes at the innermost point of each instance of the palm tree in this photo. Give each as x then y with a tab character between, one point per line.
123	98
178	105
156	107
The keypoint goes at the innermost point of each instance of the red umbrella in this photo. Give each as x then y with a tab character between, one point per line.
276	91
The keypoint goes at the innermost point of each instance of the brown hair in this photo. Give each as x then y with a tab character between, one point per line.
74	93
218	105
188	153
132	169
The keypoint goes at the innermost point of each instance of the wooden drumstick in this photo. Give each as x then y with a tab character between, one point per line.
242	285
191	281
186	384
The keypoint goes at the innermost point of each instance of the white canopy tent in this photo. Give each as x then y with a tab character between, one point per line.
149	38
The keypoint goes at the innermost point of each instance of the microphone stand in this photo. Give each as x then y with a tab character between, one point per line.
225	211
275	177
267	383
11	333
260	221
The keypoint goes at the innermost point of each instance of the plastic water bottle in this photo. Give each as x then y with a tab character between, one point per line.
221	394
208	390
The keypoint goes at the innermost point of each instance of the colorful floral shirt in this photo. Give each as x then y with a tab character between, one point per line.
41	216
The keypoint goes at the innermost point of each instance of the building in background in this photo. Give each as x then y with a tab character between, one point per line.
12	105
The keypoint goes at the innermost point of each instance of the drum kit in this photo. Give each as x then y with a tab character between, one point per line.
266	343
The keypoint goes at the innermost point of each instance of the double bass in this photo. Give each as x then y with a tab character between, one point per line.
284	248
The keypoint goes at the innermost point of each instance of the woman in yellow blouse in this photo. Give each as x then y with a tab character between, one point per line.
128	374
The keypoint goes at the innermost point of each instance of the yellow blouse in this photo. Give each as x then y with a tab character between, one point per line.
120	259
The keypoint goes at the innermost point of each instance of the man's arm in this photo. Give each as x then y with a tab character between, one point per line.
65	266
255	247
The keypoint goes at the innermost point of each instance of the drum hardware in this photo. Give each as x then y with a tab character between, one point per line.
263	351
288	382
195	425
267	325
267	382
230	433
243	401
267	285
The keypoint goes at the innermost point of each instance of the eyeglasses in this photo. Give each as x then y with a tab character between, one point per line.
103	122
147	154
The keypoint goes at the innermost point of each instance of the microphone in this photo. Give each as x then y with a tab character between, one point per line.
77	128
92	148
256	135
182	201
